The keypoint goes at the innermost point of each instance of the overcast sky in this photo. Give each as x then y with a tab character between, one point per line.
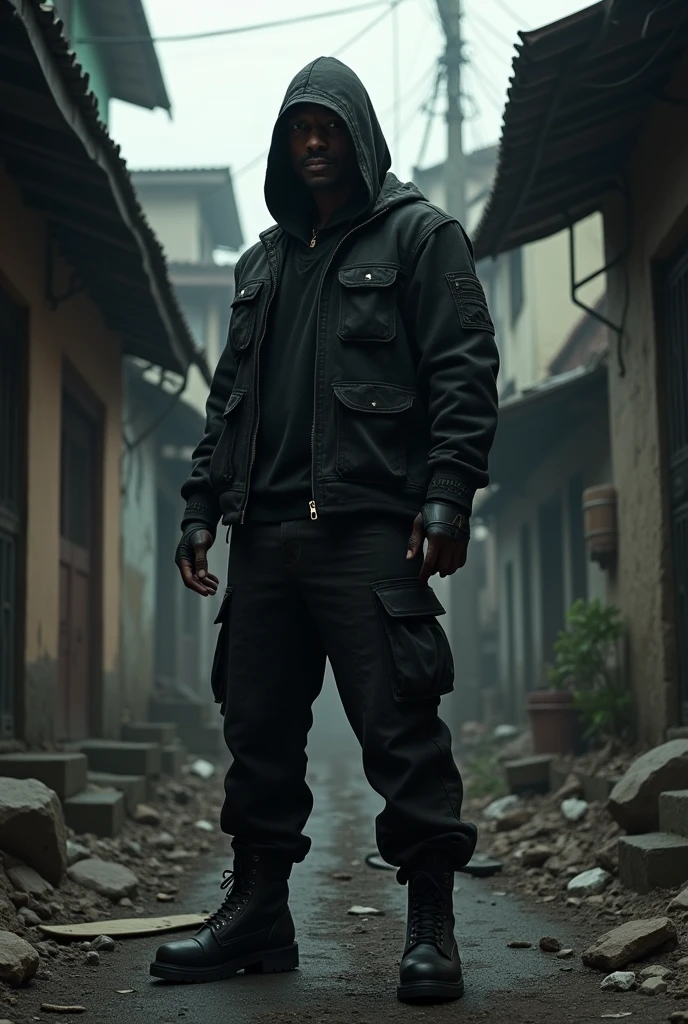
226	92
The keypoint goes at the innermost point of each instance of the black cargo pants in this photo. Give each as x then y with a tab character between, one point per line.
341	588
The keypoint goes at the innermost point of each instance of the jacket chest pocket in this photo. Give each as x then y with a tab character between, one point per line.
372	425
244	318
367	310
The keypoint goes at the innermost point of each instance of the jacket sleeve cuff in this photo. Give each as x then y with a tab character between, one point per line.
202	510
451	489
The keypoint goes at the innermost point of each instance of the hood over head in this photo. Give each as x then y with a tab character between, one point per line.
329	83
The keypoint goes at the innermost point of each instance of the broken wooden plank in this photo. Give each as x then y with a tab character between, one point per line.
123	928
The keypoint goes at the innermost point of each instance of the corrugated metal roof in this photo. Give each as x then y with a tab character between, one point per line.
579	95
70	171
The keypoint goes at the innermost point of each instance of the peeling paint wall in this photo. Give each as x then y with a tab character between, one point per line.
659	224
74	333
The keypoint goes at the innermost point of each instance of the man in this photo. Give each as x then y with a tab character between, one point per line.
355	403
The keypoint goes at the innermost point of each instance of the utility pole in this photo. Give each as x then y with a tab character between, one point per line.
455	178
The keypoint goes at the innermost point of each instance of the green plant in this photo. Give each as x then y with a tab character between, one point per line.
484	774
586	661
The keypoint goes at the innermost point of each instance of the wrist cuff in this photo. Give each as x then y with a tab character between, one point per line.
451	489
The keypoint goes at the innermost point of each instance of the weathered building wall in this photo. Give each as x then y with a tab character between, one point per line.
175	217
74	333
658	224
585	452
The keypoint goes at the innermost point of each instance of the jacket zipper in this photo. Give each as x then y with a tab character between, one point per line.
312	503
252	457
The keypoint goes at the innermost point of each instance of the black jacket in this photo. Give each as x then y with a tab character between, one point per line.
404	381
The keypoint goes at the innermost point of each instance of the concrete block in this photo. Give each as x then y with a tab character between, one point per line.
656	860
122	758
100	812
529	774
673	812
65	773
133	787
558	774
162	733
173	757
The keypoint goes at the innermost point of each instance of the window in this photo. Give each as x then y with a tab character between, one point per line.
516	283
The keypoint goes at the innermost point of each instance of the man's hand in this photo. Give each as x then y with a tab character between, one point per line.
447	534
192	559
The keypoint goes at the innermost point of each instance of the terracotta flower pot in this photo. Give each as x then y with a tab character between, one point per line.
553	721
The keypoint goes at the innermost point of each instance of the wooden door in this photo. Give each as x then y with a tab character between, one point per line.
78	532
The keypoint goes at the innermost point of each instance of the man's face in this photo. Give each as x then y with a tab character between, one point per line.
322	153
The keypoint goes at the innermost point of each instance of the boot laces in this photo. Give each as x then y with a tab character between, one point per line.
428	910
240	886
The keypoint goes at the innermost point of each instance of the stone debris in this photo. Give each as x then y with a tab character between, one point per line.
519	944
29	917
92	959
365	911
683	962
619	981
146	815
164	841
104	944
505	732
164	897
105	878
616	1016
634	801
202	769
26	880
58	1008
629	942
574	810
32	827
504	805
680	902
573	787
76	852
679	1017
655	971
18	959
341	876
537	856
548	944
564	954
607	857
513	820
653	987
204	826
589	883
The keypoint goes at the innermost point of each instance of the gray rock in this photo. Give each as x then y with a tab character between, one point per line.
607	856
653	987
537	856
203	769
18	960
132	848
104	944
564	954
574	810
111	880
680	902
619	981
498	808
548	944
32	827
146	815
631	941
29	917
25	879
683	962
92	959
655	971
634	801
164	841
76	852
589	883
572	787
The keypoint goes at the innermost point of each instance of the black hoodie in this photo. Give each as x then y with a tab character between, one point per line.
358	377
281	481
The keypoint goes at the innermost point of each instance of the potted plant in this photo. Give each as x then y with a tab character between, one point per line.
586	688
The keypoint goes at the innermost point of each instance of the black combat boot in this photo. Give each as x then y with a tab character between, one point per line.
431	965
252	931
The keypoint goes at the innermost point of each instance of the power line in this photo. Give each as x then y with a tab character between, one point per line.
492	30
214	33
487	45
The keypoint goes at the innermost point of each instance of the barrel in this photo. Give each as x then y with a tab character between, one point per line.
599	517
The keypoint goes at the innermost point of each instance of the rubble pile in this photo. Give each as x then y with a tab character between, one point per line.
48	875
